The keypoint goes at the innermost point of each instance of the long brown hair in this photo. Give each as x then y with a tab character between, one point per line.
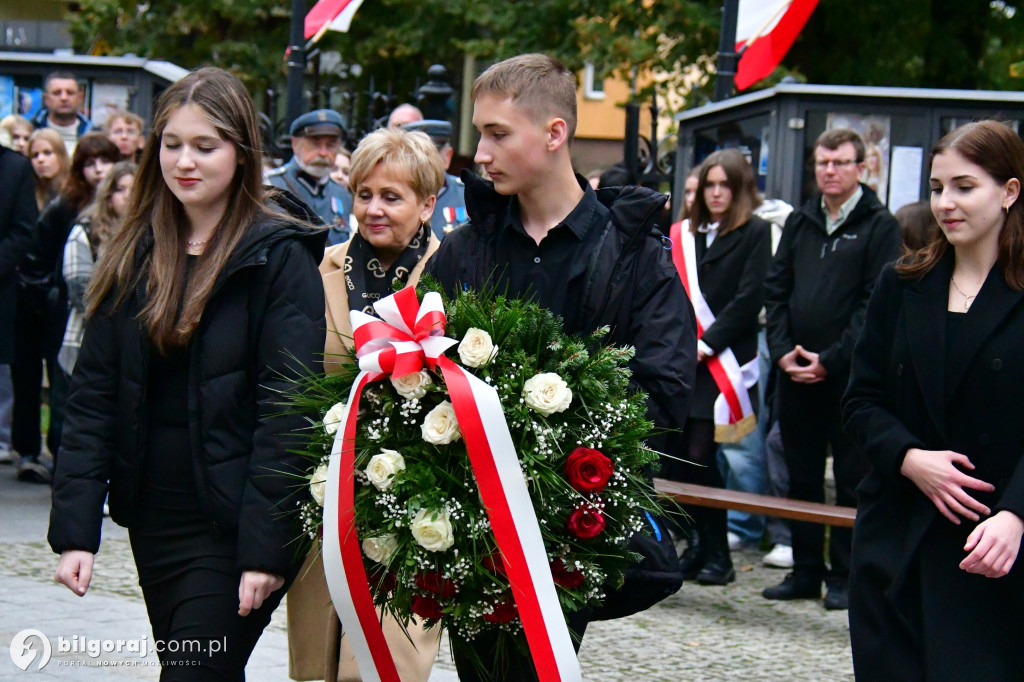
103	223
999	152
46	190
77	190
152	240
740	179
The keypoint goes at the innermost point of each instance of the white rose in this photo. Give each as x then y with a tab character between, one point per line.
383	467
381	549
332	420
318	484
432	529
440	426
476	348
547	393
412	386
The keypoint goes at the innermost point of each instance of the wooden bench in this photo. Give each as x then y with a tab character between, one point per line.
719	498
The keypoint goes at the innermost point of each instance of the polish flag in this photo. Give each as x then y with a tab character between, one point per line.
330	15
765	30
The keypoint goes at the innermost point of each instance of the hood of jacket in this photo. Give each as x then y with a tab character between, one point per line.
634	209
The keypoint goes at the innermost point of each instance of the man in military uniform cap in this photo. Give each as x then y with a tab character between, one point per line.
450	209
316	139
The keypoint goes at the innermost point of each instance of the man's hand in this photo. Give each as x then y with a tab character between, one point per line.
74	570
803	366
254	588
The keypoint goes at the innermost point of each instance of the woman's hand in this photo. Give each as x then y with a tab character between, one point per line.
74	570
993	545
935	472
254	588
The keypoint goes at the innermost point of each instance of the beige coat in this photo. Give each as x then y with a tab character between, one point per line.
316	649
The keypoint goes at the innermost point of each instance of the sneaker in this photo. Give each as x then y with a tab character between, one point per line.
781	556
735	544
32	470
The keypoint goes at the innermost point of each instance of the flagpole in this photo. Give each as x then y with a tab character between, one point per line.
296	62
725	67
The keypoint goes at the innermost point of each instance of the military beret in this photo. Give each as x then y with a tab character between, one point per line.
438	131
319	122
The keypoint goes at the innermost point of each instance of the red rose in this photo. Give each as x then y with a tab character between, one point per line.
385	581
588	470
427	607
434	583
503	612
564	577
586	522
494	564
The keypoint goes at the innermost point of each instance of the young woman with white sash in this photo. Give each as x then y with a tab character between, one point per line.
722	252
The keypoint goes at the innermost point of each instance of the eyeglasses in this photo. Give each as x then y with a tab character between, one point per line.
839	164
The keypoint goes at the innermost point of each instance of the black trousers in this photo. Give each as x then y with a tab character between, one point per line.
701	467
197	629
809	421
36	339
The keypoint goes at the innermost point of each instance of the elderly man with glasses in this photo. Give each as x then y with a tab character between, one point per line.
832	251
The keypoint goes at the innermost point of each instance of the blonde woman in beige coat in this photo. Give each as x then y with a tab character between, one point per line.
395	177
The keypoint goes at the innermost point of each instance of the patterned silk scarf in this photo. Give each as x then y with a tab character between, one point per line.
366	279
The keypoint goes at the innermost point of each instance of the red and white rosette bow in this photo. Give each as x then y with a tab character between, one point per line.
408	337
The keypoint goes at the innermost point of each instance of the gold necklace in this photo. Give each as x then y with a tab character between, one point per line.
968	300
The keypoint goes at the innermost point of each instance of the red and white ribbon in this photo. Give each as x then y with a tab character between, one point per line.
408	337
734	413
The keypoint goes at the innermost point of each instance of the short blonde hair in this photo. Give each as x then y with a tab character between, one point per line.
411	153
128	117
539	84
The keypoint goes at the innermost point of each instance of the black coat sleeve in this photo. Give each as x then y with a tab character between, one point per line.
739	316
16	232
664	332
777	289
89	440
866	417
883	249
292	337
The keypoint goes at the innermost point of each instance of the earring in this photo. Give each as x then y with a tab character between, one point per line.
1007	209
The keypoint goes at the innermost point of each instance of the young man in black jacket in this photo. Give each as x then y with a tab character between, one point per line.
831	253
537	230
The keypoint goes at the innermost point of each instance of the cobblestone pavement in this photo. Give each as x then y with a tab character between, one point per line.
700	634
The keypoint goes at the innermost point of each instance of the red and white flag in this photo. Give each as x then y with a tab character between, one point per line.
330	15
767	29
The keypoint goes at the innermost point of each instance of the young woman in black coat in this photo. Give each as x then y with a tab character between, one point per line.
732	248
200	307
935	589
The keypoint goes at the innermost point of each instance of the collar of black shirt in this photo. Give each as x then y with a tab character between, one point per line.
587	213
314	184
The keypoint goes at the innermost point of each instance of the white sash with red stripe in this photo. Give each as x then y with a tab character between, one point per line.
734	413
409	336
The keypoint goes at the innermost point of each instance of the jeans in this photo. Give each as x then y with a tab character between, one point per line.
743	464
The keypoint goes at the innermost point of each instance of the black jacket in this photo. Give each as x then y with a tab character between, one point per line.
266	316
18	215
731	275
905	392
818	285
629	284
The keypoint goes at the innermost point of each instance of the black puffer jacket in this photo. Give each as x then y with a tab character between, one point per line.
630	284
266	316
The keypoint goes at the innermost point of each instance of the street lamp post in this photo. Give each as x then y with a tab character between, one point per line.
296	62
725	68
